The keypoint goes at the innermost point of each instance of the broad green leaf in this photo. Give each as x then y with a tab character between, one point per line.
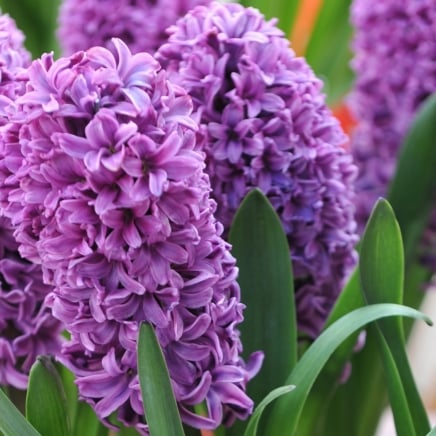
46	404
157	395
70	389
12	422
83	419
284	10
382	275
432	432
37	19
287	409
251	429
381	260
330	56
265	276
86	421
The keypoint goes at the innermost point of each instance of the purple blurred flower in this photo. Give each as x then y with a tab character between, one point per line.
112	197
140	24
13	58
27	328
264	123
395	65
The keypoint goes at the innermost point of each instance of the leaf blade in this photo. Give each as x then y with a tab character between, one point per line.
382	279
265	277
412	197
157	395
287	409
12	422
46	404
251	429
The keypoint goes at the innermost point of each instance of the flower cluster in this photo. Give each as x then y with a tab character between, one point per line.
140	24
264	123
111	197
13	58
27	328
395	65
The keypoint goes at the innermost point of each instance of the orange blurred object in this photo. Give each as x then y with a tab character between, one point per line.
305	20
206	433
345	117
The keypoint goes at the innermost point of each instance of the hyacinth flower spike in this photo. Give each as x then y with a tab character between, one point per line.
395	70
264	123
27	328
141	24
115	205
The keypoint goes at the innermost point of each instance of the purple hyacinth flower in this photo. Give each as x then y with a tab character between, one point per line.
140	24
27	328
13	59
395	66
264	123
111	197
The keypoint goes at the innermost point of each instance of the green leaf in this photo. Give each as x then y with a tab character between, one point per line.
46	405
83	418
382	260
411	198
251	429
127	431
86	421
265	276
37	19
287	409
314	412
70	389
157	395
12	422
382	275
284	10
330	56
411	192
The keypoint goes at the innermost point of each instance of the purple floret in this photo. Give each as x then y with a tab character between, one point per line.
13	59
111	197
264	123
140	24
395	65
27	327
